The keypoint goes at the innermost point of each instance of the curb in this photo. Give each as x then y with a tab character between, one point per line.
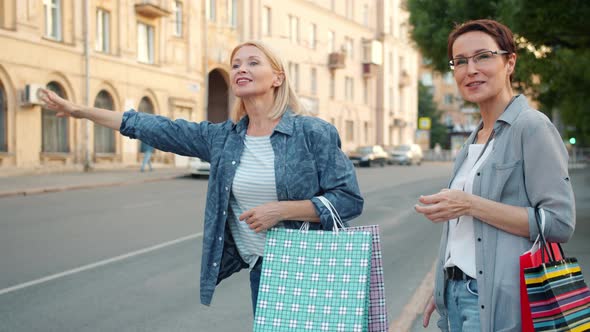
46	190
413	309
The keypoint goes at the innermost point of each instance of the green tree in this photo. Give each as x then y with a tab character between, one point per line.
553	37
427	108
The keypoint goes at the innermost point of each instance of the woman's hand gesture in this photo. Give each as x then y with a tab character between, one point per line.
63	107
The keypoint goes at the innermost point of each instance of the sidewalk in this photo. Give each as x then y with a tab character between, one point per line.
43	183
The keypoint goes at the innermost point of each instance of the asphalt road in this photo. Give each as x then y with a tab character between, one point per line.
128	258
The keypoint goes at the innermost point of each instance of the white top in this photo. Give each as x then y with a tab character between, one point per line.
254	184
461	243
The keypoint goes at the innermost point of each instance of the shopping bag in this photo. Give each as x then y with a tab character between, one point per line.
529	259
377	304
314	281
559	299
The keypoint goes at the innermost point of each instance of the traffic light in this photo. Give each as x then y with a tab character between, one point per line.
572	140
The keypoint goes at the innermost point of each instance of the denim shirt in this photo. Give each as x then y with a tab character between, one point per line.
308	163
527	167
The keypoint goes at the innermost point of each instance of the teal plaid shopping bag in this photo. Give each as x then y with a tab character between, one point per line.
314	281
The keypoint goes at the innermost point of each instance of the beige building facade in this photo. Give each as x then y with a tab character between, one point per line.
349	61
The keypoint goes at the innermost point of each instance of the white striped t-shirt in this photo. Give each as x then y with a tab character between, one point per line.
254	184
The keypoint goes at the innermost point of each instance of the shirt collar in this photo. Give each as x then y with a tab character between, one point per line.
285	126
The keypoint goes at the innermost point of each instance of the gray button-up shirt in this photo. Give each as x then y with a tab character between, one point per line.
528	167
308	163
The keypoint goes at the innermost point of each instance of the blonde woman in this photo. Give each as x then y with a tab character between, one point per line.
268	168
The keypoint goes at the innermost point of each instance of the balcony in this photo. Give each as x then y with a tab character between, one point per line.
336	60
404	79
370	70
151	9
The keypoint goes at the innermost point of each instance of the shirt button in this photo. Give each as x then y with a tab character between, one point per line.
214	264
478	239
226	188
224	213
478	173
480	272
233	162
482	307
220	239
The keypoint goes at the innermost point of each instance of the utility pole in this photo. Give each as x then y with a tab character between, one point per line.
86	22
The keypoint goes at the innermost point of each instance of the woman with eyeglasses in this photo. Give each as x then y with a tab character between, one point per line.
511	167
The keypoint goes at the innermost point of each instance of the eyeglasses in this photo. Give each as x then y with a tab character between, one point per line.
482	58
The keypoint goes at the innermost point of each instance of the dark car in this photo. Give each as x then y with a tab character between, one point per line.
369	155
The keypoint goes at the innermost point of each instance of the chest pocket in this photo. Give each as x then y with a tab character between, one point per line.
302	175
507	185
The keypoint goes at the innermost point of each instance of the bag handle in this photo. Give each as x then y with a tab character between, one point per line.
333	213
545	247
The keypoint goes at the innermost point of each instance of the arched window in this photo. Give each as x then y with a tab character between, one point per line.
104	138
3	120
145	106
54	129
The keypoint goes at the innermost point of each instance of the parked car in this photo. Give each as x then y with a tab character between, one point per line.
198	167
406	154
369	155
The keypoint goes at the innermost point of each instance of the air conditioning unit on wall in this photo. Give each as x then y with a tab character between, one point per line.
29	96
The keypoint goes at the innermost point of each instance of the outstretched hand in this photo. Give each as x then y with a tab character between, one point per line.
448	204
63	107
428	310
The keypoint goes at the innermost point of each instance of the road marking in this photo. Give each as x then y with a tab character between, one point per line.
98	264
413	309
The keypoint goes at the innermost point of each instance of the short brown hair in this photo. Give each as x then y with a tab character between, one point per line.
498	31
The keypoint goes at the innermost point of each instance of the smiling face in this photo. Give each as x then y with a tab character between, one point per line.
252	74
484	81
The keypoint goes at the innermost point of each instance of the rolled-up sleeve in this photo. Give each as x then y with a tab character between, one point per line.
547	181
337	179
177	136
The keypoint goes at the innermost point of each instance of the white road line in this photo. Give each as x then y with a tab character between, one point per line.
98	264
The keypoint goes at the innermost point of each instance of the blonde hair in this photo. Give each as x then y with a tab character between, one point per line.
284	95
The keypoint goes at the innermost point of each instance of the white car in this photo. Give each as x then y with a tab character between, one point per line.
198	167
406	154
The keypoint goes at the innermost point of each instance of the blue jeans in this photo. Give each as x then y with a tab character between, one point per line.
147	159
461	300
255	283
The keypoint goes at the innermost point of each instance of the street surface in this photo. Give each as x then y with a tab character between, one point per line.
127	258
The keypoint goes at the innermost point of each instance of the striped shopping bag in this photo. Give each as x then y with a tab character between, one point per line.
314	281
559	299
558	296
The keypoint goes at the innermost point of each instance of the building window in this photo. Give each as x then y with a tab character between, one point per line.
211	9
449	79
3	120
312	35
365	92
145	106
349	88
266	21
349	130
366	15
294	29
366	132
426	79
349	9
391	98
332	41
177	9
103	31
332	86
52	18
348	43
294	73
104	138
314	81
448	99
54	129
145	43
232	13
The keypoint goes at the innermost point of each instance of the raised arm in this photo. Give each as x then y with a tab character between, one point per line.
66	108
